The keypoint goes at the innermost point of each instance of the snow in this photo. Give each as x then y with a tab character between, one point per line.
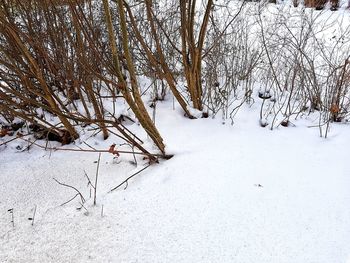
237	193
231	193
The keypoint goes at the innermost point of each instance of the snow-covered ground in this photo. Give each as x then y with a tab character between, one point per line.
237	193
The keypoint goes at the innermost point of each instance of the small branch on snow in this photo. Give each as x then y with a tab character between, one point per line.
97	169
33	218
13	139
75	189
94	186
169	156
127	179
69	200
12	217
89	181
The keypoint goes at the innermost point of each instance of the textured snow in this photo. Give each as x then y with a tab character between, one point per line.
237	193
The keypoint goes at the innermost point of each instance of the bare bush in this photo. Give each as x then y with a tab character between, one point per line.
56	64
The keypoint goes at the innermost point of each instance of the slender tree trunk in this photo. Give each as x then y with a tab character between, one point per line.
192	51
133	98
88	81
47	93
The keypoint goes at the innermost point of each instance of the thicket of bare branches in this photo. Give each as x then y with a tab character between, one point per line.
70	65
310	72
56	62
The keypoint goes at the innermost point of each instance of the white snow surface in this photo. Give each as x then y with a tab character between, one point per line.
237	193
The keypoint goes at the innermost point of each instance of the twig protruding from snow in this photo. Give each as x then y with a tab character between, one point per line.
75	189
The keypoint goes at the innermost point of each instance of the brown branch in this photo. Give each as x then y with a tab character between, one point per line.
167	156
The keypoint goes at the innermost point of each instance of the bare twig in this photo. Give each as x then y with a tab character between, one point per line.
89	181
13	139
97	169
12	217
167	156
33	218
131	176
75	189
69	200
